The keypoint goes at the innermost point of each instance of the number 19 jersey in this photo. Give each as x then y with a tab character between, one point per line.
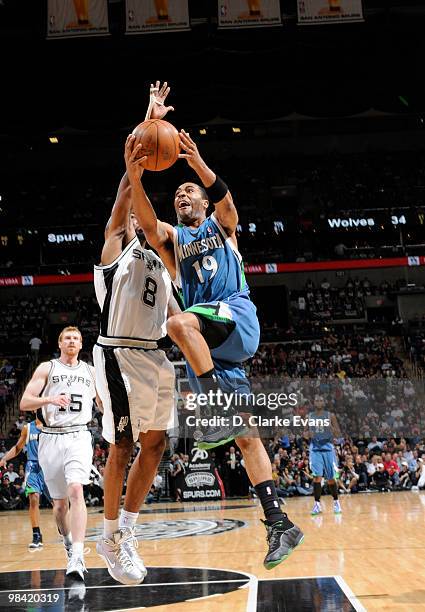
133	293
78	384
209	268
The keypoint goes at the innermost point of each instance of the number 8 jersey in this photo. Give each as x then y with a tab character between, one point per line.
133	293
208	265
78	384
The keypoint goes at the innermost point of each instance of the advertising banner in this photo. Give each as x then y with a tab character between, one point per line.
312	12
248	13
152	16
77	18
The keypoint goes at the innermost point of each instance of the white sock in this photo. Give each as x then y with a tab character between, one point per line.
110	526
78	549
128	519
67	540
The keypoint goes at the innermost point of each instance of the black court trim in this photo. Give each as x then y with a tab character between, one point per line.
108	277
118	394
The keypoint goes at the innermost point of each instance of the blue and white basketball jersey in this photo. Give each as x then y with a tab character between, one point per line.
321	434
209	267
31	443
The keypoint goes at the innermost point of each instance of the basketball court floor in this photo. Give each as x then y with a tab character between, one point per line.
208	557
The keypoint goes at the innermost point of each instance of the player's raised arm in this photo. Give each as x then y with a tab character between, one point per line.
119	220
31	399
16	449
217	190
158	234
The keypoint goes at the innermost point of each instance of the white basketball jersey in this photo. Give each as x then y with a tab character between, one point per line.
78	384
133	294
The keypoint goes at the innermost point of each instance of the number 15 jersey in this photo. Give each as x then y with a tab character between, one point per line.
78	384
133	293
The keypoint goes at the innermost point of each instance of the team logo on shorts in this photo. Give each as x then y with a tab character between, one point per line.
166	530
122	424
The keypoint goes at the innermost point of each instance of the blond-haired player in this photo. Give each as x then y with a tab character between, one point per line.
62	392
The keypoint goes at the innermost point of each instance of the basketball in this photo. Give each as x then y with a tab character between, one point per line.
160	142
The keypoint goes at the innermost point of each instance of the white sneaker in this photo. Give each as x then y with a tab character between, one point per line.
76	568
130	544
119	560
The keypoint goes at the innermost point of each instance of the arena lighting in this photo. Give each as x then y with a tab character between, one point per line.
53	139
203	131
236	130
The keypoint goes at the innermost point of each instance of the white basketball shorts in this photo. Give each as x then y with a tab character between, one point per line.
65	458
137	391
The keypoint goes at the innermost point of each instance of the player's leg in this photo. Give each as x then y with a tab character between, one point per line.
51	460
282	535
200	332
185	330
317	468
330	473
141	372
34	514
33	489
61	515
156	415
142	474
77	462
118	458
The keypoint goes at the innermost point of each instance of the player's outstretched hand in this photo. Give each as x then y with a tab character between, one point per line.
158	95
191	153
133	161
60	400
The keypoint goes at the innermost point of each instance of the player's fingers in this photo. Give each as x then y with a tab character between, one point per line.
183	156
169	108
140	161
135	152
186	136
129	140
157	84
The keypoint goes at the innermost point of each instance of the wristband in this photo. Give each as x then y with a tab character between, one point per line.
217	190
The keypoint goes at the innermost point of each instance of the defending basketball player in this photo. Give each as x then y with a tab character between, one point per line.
323	463
134	377
34	479
219	328
63	391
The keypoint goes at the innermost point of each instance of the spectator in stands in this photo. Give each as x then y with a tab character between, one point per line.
404	475
381	479
392	468
361	470
155	490
9	496
35	344
348	480
11	474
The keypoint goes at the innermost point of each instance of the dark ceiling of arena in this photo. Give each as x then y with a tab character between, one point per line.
96	84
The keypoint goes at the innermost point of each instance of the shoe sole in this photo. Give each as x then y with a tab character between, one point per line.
273	564
75	576
208	445
129	583
316	513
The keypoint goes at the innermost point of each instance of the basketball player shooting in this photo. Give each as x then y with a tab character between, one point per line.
133	375
34	479
62	391
219	328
